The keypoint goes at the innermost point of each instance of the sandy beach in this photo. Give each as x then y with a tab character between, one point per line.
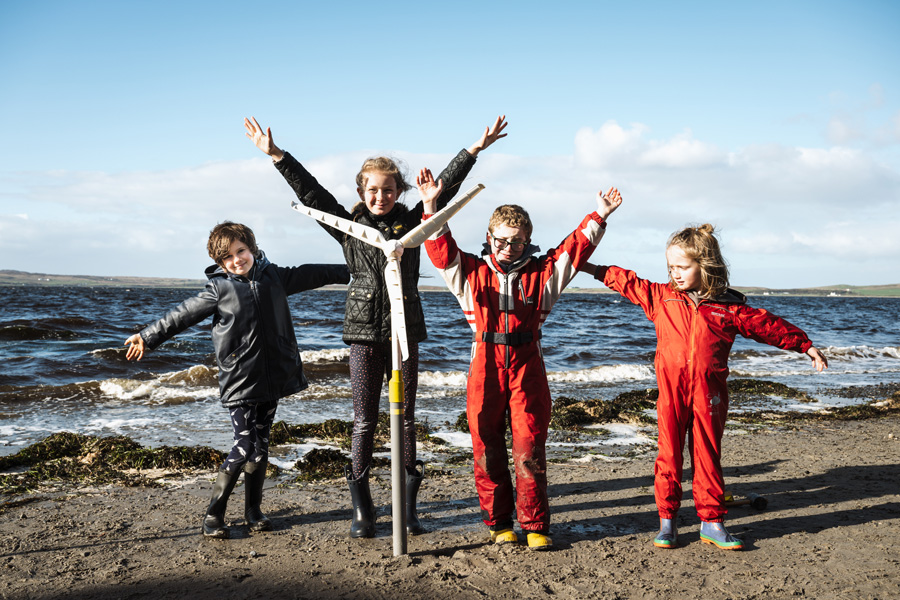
830	531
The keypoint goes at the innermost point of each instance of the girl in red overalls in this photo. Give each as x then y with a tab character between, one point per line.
697	318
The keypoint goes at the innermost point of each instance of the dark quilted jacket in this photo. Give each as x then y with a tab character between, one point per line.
367	317
252	330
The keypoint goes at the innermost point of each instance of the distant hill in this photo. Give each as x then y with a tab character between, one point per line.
13	278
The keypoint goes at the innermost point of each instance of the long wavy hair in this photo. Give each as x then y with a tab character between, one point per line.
701	244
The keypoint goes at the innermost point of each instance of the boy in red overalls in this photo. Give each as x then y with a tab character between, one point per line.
506	294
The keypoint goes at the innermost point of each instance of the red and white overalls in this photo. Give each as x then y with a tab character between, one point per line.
693	343
505	309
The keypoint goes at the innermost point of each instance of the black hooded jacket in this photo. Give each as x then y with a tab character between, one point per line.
252	331
367	316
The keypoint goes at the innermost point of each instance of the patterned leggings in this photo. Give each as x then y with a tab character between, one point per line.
251	426
369	364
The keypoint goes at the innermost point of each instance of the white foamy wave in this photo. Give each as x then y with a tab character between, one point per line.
118	426
154	391
325	356
850	352
455	438
323	392
622	434
455	379
609	373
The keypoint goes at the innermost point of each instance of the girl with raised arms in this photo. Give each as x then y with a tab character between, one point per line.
367	317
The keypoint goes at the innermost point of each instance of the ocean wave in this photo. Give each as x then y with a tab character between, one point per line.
169	389
329	355
24	333
323	392
455	379
851	352
604	374
14	394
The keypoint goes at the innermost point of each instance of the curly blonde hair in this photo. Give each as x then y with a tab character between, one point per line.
701	244
512	215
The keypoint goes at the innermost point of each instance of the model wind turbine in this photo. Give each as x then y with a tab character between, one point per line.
393	250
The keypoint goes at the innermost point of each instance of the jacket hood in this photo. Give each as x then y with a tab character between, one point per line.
259	265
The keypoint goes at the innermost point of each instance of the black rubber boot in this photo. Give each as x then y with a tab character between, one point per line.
214	521
253	492
414	479
363	525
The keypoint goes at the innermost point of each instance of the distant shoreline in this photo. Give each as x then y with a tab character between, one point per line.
11	278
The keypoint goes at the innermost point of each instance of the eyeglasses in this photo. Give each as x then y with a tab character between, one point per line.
501	243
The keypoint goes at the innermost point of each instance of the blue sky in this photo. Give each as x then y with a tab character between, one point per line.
779	122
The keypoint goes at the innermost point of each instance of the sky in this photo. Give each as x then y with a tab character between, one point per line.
778	122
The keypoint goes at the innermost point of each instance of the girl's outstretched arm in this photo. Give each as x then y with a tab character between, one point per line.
819	360
589	268
262	140
490	135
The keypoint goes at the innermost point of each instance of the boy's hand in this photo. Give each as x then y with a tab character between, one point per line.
135	347
428	190
608	203
262	140
490	135
819	360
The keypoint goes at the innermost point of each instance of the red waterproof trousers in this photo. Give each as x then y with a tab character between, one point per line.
505	307
693	343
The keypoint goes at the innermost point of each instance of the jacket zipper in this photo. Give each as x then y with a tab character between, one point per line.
265	352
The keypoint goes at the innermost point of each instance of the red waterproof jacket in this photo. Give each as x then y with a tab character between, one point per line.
693	344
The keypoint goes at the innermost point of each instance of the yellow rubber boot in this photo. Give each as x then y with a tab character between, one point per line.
539	541
504	536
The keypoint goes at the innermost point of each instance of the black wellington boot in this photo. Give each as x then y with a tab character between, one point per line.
253	492
413	481
214	521
363	525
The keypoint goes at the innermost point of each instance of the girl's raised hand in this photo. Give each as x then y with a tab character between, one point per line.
262	140
135	347
490	135
428	190
608	203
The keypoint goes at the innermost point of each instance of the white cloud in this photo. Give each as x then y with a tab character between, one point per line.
819	209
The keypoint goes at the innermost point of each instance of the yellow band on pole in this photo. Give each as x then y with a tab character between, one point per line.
395	388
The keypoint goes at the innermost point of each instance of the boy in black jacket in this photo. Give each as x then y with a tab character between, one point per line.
256	350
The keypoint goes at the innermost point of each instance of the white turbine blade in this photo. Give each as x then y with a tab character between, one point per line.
394	284
370	235
417	236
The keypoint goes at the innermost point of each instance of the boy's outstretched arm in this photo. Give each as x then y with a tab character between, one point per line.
263	140
608	203
136	347
490	135
429	191
819	360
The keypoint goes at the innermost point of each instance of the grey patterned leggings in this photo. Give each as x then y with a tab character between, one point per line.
251	426
369	363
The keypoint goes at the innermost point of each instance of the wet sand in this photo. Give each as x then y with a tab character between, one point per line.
831	530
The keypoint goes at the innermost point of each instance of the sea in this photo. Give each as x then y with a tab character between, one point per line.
63	366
